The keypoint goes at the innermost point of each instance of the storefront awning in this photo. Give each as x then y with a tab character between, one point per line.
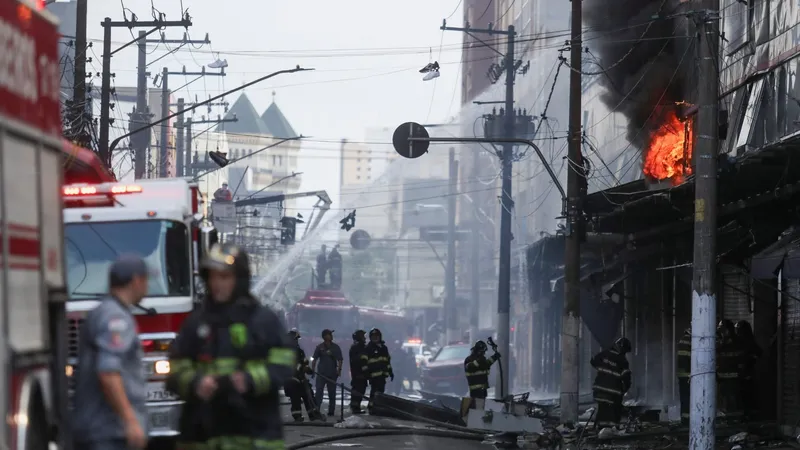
783	255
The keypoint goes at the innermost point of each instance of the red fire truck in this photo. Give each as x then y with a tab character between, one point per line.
160	220
32	282
321	309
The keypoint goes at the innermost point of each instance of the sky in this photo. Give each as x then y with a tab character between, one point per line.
366	56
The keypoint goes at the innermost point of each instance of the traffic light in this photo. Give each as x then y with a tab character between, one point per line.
349	221
288	229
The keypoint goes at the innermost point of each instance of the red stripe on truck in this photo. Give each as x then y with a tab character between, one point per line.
24	247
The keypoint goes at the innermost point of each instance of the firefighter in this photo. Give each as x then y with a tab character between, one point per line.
729	369
611	383
744	334
684	372
477	367
296	388
379	365
358	370
329	357
229	360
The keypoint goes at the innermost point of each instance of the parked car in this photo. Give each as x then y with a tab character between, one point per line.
444	372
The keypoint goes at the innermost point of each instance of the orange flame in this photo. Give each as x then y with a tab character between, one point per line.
669	154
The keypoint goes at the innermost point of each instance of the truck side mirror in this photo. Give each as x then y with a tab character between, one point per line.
208	237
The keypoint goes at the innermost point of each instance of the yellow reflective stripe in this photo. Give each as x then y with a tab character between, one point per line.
478	372
609	390
684	374
258	372
728	375
225	366
377	374
473	387
684	353
281	357
184	370
364	357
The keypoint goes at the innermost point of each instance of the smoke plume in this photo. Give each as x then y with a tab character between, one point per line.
656	66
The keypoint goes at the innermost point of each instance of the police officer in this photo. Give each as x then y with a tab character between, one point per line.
296	388
358	370
110	389
229	361
747	341
379	365
729	368
329	357
612	382
684	372
477	368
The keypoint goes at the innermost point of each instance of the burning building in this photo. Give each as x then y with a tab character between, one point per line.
647	78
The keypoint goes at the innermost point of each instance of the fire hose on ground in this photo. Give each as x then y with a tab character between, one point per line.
387	432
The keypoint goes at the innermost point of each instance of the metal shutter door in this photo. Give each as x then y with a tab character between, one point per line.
735	294
791	354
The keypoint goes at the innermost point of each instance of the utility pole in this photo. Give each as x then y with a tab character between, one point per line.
450	310
179	141
140	141
161	161
571	320
704	300
187	150
78	116
105	95
474	260
510	66
165	104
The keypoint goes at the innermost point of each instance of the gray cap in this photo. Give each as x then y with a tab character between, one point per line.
125	269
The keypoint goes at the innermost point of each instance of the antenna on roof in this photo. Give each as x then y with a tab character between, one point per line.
273	96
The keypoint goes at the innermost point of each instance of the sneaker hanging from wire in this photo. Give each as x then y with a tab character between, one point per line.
430	67
431	75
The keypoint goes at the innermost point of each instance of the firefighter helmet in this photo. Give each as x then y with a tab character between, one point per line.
743	329
230	258
294	334
326	332
375	332
623	345
479	347
360	335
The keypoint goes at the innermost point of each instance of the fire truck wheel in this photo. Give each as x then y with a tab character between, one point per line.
37	437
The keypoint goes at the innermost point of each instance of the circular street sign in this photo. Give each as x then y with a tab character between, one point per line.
359	240
410	149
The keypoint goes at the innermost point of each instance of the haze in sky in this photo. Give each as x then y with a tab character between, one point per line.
367	55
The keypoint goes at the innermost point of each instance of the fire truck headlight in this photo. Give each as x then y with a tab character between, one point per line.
161	367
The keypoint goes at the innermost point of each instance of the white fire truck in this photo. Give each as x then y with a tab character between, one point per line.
32	282
160	220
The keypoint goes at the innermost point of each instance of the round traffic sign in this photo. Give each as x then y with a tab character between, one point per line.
410	149
359	240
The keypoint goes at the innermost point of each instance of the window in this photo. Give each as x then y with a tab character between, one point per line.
93	247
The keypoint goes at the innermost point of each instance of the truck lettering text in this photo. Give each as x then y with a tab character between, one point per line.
18	72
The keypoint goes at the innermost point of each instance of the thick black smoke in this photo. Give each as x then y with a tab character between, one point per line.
656	64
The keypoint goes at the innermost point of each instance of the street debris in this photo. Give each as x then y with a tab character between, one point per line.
354	422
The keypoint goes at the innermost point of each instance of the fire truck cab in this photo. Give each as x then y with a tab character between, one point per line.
159	220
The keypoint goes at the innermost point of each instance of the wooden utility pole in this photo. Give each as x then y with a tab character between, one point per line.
704	300
571	320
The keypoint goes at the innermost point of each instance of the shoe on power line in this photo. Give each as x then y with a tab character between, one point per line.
430	67
431	75
219	64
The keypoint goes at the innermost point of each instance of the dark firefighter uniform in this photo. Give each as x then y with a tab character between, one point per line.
477	367
684	372
752	352
379	364
226	340
358	370
729	369
612	382
296	387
